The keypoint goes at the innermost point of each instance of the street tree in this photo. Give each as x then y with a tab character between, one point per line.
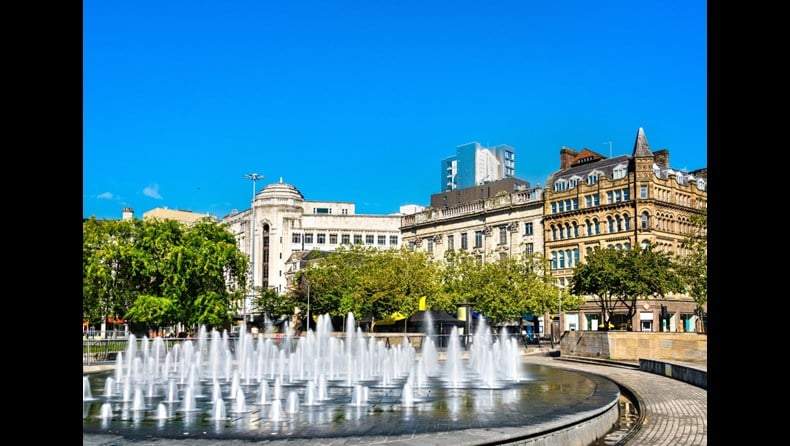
160	273
618	278
692	263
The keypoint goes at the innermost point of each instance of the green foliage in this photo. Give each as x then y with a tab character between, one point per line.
618	278
368	282
161	272
692	265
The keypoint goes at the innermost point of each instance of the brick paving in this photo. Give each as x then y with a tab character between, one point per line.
674	413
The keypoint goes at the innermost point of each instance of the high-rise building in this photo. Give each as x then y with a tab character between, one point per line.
474	164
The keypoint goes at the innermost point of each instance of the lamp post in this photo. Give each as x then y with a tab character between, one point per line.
308	305
254	177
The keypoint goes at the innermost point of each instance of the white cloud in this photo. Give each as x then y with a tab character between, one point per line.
152	191
105	195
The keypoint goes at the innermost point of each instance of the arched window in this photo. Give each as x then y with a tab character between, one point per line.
645	220
575	229
611	224
597	226
589	227
627	220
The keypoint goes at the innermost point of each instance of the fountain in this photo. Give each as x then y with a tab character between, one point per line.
322	386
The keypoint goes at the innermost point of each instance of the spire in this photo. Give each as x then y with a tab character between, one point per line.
641	148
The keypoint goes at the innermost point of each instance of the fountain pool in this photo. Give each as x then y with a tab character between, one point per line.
331	386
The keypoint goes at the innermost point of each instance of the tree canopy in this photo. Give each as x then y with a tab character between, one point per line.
618	278
161	272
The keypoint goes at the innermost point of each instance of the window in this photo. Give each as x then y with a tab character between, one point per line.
345	239
611	224
308	237
369	239
321	238
529	249
627	220
464	242
589	227
357	239
645	220
592	178
575	230
553	208
450	241
626	194
344	211
609	197
528	228
502	235
382	239
394	240
430	244
478	239
619	172
333	239
296	238
322	210
553	233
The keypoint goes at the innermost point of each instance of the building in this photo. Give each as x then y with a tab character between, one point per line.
624	202
287	226
501	223
474	164
184	216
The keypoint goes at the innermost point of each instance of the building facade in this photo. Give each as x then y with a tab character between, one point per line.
184	216
621	202
502	224
287	227
474	164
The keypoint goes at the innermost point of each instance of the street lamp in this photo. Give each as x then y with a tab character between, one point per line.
254	177
308	304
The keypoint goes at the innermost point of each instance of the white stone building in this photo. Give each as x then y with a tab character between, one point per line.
287	226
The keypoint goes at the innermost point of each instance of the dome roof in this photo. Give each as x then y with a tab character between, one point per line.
280	190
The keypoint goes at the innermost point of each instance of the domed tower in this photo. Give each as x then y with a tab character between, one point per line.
279	208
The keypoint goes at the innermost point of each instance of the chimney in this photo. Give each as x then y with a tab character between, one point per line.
566	157
661	157
127	214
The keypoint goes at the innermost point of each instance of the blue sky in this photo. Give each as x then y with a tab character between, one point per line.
361	100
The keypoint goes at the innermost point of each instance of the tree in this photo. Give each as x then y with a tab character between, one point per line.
161	272
505	288
617	278
272	305
692	264
367	282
